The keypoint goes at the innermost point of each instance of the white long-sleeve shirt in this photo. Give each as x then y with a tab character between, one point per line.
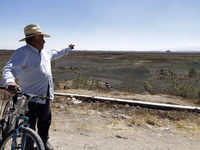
33	69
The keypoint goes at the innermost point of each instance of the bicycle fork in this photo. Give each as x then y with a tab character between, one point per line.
16	133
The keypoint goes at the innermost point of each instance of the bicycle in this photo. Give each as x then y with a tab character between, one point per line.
6	123
18	134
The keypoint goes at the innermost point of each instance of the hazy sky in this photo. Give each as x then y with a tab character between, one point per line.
104	24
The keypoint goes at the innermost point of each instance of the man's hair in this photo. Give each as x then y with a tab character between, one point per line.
30	39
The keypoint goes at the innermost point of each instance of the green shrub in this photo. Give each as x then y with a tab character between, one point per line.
175	87
171	86
150	86
2	64
80	82
134	80
53	66
186	90
97	83
62	68
162	72
198	91
192	72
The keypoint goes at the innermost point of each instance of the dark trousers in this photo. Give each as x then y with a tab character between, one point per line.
40	113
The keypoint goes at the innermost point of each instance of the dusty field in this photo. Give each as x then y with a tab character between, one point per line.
95	131
92	126
123	70
107	126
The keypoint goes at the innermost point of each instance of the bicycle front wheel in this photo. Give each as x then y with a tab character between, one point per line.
32	140
7	122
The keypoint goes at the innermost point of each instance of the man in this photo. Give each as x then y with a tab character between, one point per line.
31	64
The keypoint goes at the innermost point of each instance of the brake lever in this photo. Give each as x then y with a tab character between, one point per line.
45	97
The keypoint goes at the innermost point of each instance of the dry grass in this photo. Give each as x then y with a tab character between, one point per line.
151	120
83	126
136	120
86	112
183	121
117	124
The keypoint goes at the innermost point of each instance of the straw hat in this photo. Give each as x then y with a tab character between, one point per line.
32	30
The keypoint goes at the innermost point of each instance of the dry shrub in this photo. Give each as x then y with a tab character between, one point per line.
136	120
151	120
188	127
86	112
179	125
68	111
83	126
116	124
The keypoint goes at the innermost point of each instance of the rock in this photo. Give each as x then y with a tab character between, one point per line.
121	137
118	136
123	117
77	102
115	106
126	105
104	116
149	126
115	116
129	125
61	106
167	129
138	107
84	134
73	99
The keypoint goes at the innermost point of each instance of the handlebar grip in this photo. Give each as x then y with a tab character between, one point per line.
2	87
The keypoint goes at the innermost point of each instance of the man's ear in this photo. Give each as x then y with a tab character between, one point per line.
34	39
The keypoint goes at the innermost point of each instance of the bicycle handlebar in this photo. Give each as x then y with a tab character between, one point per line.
27	95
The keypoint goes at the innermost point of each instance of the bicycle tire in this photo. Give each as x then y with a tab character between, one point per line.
32	138
7	122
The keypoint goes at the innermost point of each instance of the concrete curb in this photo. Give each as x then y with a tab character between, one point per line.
133	102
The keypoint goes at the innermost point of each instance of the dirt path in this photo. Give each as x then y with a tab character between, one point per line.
94	132
75	128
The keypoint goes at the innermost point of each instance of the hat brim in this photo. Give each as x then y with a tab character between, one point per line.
45	35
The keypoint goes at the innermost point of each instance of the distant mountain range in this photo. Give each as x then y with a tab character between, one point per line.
183	49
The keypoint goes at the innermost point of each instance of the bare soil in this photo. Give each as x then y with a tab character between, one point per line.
77	127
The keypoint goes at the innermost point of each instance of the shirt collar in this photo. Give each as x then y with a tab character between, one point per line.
33	48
